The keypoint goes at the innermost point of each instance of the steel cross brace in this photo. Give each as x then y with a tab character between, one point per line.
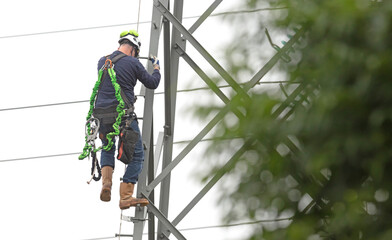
241	93
226	167
252	82
161	217
206	79
219	175
204	15
188	36
171	225
210	125
210	184
229	165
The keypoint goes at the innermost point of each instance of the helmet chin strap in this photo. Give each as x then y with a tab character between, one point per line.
134	52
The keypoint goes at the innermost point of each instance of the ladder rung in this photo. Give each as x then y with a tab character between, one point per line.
132	219
123	235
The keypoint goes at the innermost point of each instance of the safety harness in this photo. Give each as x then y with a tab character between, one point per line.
111	115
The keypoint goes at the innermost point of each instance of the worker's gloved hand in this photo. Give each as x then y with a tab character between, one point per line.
155	62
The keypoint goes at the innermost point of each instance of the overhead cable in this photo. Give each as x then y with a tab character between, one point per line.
70	30
78	153
218	226
144	22
37	157
43	105
156	93
248	11
239	224
100	238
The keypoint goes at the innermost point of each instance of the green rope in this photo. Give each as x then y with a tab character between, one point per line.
87	147
120	110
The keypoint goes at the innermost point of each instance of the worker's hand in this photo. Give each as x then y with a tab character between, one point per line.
155	62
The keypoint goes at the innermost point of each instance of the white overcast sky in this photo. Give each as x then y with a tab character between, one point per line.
48	198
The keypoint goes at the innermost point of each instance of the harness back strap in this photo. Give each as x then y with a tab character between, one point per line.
120	96
105	73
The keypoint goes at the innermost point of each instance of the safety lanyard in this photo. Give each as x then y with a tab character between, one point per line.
90	136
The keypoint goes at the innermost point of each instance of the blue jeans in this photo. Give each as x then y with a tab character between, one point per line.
134	168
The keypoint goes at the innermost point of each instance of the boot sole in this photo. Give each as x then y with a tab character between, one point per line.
105	195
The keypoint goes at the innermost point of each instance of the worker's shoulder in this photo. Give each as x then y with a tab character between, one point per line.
132	59
129	60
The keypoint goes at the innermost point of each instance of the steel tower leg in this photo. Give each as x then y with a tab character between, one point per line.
170	108
147	134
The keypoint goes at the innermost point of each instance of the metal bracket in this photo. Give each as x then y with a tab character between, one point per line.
285	57
123	235
133	219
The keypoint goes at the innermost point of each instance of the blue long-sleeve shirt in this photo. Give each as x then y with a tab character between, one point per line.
128	70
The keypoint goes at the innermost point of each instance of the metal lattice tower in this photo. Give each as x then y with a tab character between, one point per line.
174	48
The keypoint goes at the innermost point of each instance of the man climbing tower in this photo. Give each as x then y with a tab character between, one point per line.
128	70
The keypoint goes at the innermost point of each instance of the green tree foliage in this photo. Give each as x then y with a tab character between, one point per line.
330	149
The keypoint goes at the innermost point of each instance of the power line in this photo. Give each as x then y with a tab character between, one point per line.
100	238
43	105
70	30
217	226
37	157
157	93
239	224
126	24
78	153
248	11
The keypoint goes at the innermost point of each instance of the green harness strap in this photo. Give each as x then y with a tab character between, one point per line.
120	110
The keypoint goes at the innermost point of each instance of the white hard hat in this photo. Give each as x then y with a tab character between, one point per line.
131	36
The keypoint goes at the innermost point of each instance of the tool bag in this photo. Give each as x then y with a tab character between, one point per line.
127	142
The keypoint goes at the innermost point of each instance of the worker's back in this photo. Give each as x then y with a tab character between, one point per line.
128	70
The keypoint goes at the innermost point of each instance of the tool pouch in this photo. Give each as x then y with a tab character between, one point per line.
126	145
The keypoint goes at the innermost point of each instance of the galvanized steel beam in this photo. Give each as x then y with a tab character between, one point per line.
188	36
170	110
255	79
147	120
204	16
229	165
162	218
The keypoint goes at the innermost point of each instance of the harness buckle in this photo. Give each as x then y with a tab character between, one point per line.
130	112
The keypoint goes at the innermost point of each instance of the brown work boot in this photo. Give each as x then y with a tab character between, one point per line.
126	199
107	173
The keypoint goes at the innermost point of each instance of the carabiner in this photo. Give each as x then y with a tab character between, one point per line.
94	128
108	63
